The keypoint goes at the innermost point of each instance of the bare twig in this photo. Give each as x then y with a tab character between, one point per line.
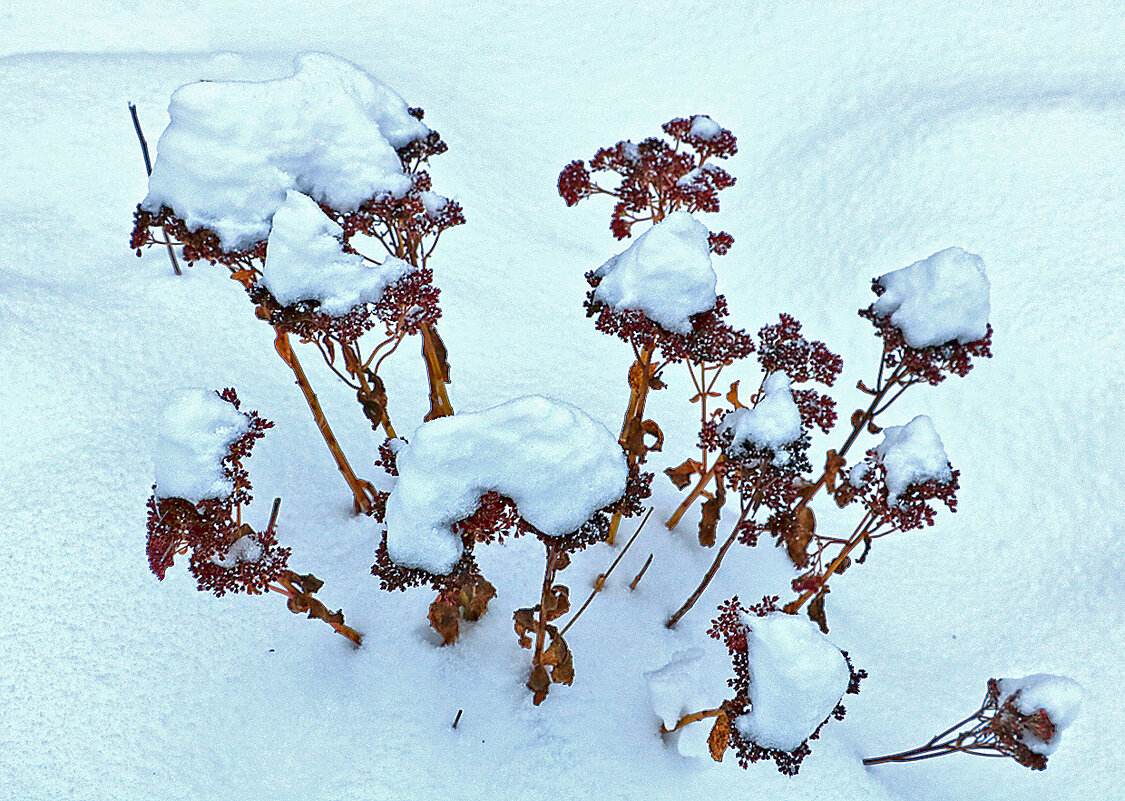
148	171
637	580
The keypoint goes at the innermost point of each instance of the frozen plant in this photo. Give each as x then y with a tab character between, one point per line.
660	293
322	160
196	506
788	682
1019	718
529	466
939	304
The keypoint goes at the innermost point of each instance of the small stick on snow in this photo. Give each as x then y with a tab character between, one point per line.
637	580
148	171
602	578
457	719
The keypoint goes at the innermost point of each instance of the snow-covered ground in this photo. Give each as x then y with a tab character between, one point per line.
870	136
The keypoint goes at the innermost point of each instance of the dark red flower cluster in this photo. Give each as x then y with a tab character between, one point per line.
657	177
933	364
783	348
711	341
1009	728
731	628
201	244
911	509
225	556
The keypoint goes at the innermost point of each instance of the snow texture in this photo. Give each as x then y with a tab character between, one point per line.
797	677
234	149
305	260
912	454
675	688
937	300
556	463
704	127
773	422
197	429
666	273
1059	696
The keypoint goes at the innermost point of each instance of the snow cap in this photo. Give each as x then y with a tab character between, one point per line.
197	428
1060	697
797	677
233	149
942	298
774	422
558	464
305	260
666	273
912	454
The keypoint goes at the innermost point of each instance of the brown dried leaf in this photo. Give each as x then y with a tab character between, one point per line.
872	428
719	738
711	509
563	672
444	619
864	388
539	683
475	596
558	603
441	354
653	430
633	439
732	397
556	652
816	612
832	465
525	624
799	535
857	418
681	476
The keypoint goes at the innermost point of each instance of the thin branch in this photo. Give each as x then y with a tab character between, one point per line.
148	171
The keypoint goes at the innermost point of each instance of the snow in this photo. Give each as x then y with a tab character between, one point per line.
704	127
937	300
912	454
869	133
197	428
797	677
557	464
675	688
666	273
235	148
773	422
305	260
1059	696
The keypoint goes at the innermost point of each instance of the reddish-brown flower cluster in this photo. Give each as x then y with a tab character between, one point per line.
731	628
911	509
225	556
657	177
1009	728
933	364
782	348
711	340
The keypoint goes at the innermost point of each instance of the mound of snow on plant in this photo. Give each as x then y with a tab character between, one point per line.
234	149
774	422
197	428
305	260
912	454
666	273
555	462
939	299
797	677
1060	697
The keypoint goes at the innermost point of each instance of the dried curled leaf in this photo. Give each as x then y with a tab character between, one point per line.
816	612
539	683
711	509
475	596
832	465
558	602
681	476
800	535
732	397
857	418
719	738
444	618
525	625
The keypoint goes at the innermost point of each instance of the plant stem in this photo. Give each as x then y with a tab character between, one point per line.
856	539
634	416
437	372
674	520
692	718
360	489
148	171
710	574
548	582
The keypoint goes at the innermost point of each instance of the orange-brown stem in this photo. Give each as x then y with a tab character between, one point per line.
704	479
437	372
634	417
862	530
710	574
361	490
692	718
304	602
548	583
